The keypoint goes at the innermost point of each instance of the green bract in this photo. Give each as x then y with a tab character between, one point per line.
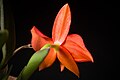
34	63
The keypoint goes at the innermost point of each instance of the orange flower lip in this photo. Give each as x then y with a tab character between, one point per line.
67	48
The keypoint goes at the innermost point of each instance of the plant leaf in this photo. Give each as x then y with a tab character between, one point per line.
3	39
7	74
8	24
20	75
34	63
3	72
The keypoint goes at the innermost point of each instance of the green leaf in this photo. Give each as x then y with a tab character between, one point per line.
3	40
9	24
7	74
46	46
20	75
3	72
3	37
34	63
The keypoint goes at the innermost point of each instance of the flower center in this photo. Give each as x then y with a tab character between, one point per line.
56	47
57	43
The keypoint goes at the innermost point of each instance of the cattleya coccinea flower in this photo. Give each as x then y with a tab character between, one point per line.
67	48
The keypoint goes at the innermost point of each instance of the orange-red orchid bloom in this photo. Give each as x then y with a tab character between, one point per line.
67	48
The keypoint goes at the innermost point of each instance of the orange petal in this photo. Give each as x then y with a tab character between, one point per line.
74	44
61	24
38	39
67	60
49	60
62	67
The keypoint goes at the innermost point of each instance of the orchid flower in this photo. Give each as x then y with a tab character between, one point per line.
69	49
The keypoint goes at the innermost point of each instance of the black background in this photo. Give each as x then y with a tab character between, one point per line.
95	21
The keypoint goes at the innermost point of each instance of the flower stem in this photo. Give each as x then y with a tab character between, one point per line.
22	47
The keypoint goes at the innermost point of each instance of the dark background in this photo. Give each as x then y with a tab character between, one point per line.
95	21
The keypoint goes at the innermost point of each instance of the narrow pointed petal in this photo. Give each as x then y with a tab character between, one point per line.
74	43
49	60
62	67
61	25
38	39
67	60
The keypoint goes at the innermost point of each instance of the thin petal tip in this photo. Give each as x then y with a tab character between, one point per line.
78	75
92	60
66	5
32	28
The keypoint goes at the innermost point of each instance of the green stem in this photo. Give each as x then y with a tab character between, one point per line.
21	47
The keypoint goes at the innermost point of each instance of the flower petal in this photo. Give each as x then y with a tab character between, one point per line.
67	60
75	45
61	24
62	67
49	60
38	39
